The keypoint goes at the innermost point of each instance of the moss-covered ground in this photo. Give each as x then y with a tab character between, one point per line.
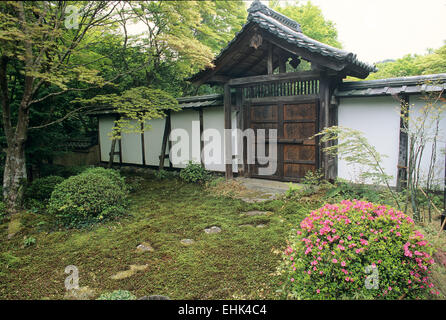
238	262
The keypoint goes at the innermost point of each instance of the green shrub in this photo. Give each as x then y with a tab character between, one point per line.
89	197
59	170
161	174
29	241
113	174
341	249
117	295
194	173
2	210
40	189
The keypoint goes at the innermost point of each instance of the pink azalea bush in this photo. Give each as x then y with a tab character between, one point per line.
328	256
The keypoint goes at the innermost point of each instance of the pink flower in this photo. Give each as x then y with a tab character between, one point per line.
318	291
343	263
292	279
334	261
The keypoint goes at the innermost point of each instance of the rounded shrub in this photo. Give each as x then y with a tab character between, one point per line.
41	188
117	295
89	197
194	173
357	250
114	175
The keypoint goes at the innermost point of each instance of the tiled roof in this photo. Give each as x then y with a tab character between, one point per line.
271	21
289	30
391	86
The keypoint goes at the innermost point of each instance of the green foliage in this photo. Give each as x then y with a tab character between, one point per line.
355	149
112	174
117	295
412	65
61	171
41	188
311	19
139	104
89	197
8	260
313	177
357	250
29	241
194	173
164	174
2	210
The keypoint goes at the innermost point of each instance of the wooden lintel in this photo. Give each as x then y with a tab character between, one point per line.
298	76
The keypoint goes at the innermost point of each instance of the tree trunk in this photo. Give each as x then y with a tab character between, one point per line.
14	177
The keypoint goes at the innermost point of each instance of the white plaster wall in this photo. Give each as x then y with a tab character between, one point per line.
183	120
106	124
416	104
131	145
378	118
153	140
213	118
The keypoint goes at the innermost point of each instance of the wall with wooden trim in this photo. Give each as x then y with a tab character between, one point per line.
131	143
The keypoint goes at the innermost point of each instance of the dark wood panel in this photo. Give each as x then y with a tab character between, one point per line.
305	111
299	152
299	130
264	113
297	170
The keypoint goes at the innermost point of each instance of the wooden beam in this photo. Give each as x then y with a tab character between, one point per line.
228	135
165	140
401	180
269	61
298	76
305	54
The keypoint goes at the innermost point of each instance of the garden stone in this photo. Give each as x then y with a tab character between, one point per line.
255	213
212	230
187	242
154	297
82	293
260	226
246	225
144	247
134	268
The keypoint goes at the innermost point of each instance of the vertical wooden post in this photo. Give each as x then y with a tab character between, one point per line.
200	114
324	96
269	61
165	138
282	65
143	145
228	133
401	180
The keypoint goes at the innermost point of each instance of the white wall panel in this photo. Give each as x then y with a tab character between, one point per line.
378	118
131	145
106	124
153	140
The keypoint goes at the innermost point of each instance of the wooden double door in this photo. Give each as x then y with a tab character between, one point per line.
296	123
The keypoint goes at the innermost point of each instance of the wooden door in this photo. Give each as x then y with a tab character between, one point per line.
295	122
